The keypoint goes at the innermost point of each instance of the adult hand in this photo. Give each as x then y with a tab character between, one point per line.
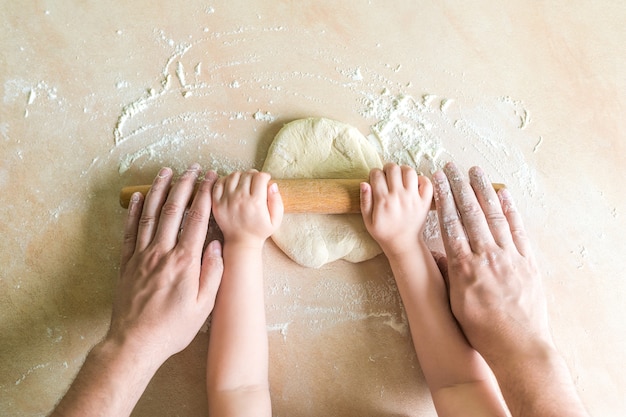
497	296
167	285
496	292
166	290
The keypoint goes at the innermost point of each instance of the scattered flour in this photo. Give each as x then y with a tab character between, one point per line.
334	302
265	117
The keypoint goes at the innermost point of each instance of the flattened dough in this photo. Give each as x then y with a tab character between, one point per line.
322	148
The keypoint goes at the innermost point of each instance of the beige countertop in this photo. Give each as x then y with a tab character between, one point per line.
97	96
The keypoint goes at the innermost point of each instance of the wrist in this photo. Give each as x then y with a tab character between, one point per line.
402	250
244	244
120	350
536	380
526	356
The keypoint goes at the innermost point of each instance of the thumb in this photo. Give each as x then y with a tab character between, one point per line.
275	204
366	200
442	264
211	272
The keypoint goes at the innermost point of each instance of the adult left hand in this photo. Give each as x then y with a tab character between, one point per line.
168	283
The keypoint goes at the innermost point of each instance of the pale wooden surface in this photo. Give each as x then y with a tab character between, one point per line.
69	73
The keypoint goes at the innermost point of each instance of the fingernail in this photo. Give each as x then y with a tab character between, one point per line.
135	197
439	178
210	175
506	200
164	173
194	170
215	249
274	188
479	177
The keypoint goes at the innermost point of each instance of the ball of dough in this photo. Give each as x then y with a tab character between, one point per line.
322	148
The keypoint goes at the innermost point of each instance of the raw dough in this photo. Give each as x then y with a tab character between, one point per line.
322	148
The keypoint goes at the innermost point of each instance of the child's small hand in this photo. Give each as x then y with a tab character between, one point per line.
394	206
246	208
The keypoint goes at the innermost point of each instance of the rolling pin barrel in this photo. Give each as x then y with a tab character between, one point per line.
322	196
327	196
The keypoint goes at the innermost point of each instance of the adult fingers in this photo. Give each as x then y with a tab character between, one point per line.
130	228
152	208
472	215
452	231
211	273
516	226
491	206
174	208
196	222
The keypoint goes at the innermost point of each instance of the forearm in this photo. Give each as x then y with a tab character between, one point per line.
110	383
536	382
445	356
457	376
238	345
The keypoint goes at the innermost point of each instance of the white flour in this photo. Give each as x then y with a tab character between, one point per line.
170	124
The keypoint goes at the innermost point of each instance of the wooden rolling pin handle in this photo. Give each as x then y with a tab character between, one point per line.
322	196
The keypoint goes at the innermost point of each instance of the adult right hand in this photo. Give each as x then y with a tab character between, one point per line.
497	296
496	292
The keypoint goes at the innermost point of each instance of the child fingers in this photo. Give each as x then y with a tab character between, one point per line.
366	200
393	175
152	208
425	189
275	204
259	183
491	206
378	184
218	189
409	178
233	182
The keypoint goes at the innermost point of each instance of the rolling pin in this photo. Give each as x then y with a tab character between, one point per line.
322	196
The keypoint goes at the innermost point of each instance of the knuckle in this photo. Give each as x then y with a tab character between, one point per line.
471	208
450	220
497	219
195	216
147	220
129	237
171	208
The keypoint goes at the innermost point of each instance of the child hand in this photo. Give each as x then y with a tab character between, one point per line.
394	206
246	209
